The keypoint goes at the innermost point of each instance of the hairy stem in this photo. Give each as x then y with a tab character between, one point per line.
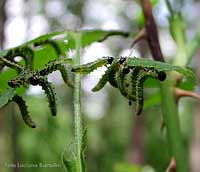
77	106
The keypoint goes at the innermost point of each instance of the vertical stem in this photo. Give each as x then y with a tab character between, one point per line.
171	118
77	105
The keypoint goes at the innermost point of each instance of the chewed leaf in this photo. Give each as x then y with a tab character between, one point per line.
160	66
6	97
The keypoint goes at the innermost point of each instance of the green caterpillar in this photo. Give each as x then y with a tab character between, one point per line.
47	87
39	78
24	111
33	77
90	67
11	64
53	66
129	79
25	52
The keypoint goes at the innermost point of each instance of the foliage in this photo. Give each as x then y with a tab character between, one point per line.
49	53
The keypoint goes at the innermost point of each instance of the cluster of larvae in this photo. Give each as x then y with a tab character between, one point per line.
27	76
125	75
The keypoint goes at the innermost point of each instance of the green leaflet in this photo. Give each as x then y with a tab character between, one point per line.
69	158
64	40
55	46
69	155
6	97
160	66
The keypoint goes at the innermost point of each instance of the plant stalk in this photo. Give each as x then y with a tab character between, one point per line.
77	106
171	118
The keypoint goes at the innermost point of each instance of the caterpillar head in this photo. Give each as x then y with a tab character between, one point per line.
160	75
34	80
12	84
125	70
16	83
110	60
122	60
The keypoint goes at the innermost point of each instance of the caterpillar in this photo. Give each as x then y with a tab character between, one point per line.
27	77
14	83
25	52
11	64
48	89
124	75
110	76
46	86
90	67
24	111
22	79
53	66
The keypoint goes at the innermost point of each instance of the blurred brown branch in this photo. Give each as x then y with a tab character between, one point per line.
151	31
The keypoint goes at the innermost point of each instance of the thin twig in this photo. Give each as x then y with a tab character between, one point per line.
140	36
172	165
183	93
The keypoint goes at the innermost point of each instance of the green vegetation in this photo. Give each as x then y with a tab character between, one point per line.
101	144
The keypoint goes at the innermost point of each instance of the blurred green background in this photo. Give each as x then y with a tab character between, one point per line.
118	141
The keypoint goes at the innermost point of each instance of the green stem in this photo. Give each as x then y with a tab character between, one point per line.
77	106
169	105
171	118
192	46
169	7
